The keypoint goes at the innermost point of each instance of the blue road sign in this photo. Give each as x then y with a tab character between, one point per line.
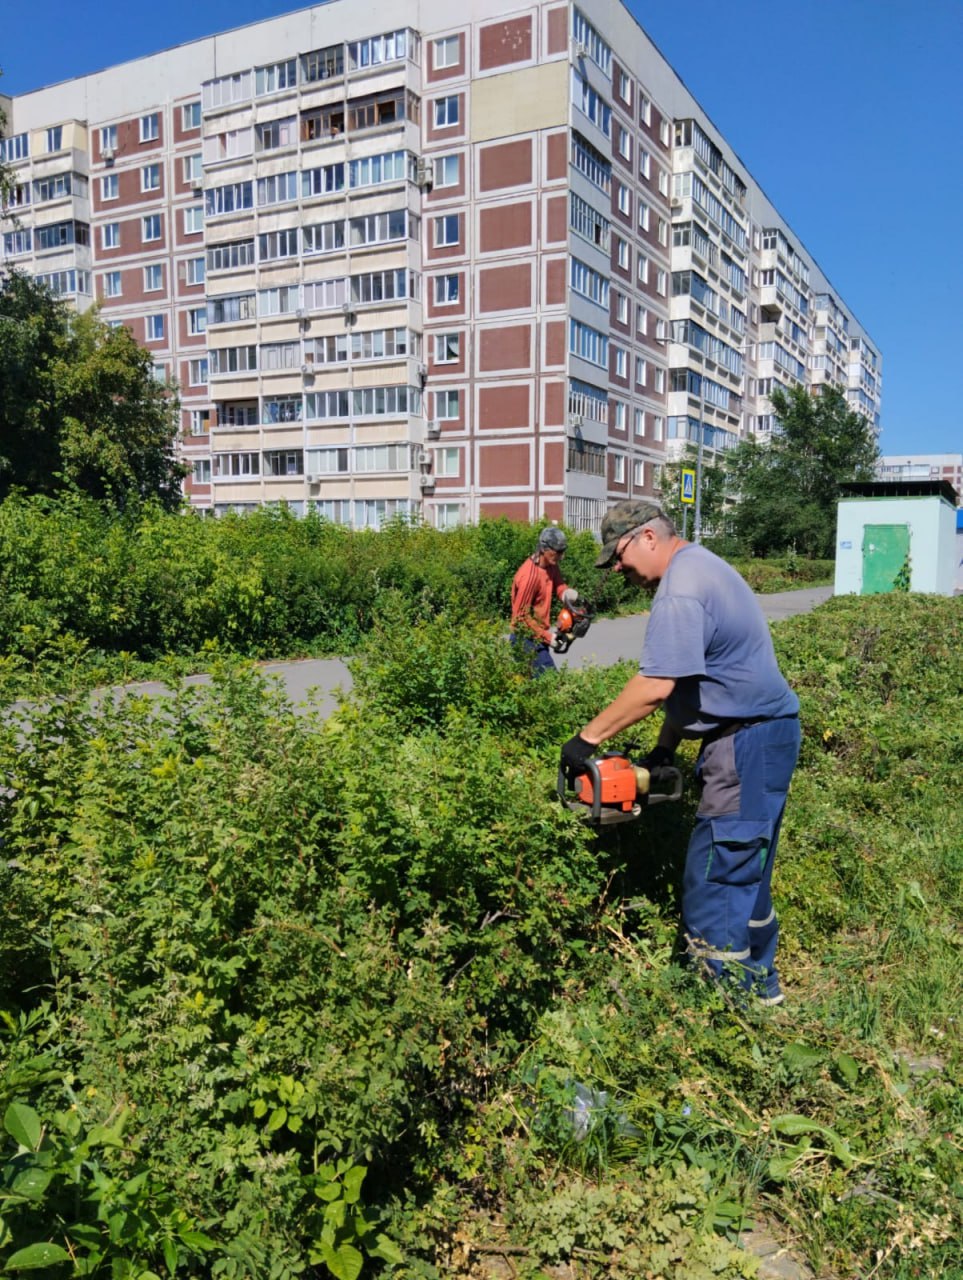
687	485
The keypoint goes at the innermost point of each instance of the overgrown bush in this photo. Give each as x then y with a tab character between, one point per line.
286	997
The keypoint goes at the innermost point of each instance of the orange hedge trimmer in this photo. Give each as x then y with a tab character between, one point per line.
613	789
572	623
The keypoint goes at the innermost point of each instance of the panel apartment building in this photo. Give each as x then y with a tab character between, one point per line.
398	264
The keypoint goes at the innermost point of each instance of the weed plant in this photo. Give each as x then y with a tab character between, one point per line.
291	997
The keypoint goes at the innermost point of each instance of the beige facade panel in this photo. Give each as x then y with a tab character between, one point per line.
538	95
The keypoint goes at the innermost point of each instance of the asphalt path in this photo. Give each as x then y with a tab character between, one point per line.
312	682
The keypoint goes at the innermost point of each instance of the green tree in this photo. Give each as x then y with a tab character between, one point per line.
788	488
80	406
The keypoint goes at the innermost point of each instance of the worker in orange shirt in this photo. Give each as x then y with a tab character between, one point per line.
535	585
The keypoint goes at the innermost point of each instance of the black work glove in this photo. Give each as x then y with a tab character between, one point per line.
574	754
658	758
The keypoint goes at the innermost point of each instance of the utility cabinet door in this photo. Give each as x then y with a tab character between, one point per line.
885	555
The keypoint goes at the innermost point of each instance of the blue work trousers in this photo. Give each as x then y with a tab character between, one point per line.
542	659
727	913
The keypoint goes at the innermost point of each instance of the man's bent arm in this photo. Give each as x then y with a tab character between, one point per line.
639	698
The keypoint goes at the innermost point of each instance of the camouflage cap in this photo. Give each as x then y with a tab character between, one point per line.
552	538
620	520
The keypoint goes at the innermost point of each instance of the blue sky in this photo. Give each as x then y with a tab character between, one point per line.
848	113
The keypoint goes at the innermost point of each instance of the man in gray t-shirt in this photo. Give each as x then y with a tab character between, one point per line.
708	660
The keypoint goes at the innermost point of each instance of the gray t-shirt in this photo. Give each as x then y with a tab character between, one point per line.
707	632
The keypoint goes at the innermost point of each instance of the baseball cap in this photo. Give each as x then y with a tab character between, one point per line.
620	520
552	538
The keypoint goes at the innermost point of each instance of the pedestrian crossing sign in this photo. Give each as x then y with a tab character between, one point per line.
687	485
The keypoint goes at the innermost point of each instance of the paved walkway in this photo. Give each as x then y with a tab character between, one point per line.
314	680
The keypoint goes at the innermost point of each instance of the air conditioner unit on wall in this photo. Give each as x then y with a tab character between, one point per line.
575	420
425	174
108	155
433	428
423	458
426	481
312	478
579	49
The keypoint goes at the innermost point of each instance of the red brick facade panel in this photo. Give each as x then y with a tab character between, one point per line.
445	57
505	466
553	509
505	288
556	224
554	331
556	157
504	43
506	226
497	509
507	348
557	35
506	164
553	404
503	407
553	466
555	282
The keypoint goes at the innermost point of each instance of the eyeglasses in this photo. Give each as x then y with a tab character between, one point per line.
620	551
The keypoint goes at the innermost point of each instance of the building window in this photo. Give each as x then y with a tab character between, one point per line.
638	473
201	471
277	76
447	405
446	52
641	372
645	109
639	422
200	422
622	253
664	132
621	363
622	308
643	269
662	283
621	415
447	515
618	468
447	348
193	170
446	111
663	231
151	227
446	289
190	116
150	127
153	277
447	171
448	462
660	381
150	177
197	372
109	187
625	200
624	143
625	88
658	422
194	220
112	286
155	328
110	235
195	272
108	138
447	230
197	321
55	138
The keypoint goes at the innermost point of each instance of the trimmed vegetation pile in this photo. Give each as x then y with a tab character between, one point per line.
284	997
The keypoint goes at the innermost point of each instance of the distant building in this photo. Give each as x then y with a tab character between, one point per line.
924	466
404	258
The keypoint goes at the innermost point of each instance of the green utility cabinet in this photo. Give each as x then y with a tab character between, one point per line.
896	536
